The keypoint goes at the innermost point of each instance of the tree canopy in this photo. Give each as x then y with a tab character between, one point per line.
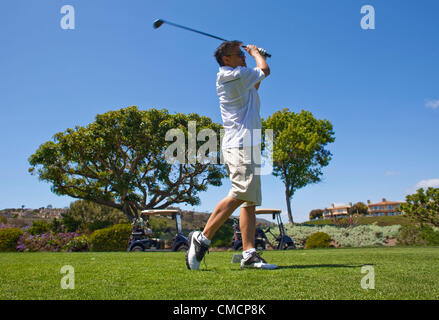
359	208
315	213
423	206
119	161
299	153
87	216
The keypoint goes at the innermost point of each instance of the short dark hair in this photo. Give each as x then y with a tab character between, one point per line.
224	49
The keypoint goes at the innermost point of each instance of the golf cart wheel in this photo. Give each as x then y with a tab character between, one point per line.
183	248
260	245
290	247
137	249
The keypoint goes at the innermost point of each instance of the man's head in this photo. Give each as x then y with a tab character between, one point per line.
229	54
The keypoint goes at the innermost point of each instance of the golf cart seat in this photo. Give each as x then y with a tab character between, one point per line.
161	212
267	211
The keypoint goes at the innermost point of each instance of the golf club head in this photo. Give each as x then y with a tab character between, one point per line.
264	53
158	23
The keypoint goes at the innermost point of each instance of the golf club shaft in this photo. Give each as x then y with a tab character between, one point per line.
261	51
193	30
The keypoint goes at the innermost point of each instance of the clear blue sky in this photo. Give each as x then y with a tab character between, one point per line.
379	87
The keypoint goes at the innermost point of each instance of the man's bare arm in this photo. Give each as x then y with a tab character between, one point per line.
260	61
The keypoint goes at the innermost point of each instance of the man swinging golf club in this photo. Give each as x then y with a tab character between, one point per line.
237	88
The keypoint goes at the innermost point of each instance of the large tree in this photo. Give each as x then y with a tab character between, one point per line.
299	153
315	213
423	206
359	208
119	161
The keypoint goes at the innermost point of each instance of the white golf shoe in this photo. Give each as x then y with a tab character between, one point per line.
196	251
255	261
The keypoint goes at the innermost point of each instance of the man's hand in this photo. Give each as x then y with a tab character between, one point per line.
252	50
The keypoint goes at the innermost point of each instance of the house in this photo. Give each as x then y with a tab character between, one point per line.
337	210
384	208
45	213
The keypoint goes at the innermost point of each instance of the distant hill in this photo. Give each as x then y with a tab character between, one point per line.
380	221
40	213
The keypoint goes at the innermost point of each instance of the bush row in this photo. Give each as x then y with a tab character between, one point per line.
365	235
115	238
359	236
51	242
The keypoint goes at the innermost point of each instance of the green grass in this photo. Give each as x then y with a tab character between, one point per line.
400	273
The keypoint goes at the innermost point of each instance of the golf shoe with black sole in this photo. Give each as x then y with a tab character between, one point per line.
255	261
196	251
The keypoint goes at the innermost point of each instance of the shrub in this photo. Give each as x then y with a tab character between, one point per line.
223	236
69	223
39	227
418	235
39	242
9	238
114	238
88	216
349	222
56	226
17	223
70	241
318	240
78	244
159	225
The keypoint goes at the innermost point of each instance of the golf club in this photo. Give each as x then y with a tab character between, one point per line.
159	22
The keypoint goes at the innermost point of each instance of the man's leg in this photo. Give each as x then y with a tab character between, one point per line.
222	212
199	241
247	224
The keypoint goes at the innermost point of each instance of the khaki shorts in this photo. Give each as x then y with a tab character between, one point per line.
243	166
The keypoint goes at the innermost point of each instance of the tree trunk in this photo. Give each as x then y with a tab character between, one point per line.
130	210
290	215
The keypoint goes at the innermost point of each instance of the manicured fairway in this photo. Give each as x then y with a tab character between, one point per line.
400	273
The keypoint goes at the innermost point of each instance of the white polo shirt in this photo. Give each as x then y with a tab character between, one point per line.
240	105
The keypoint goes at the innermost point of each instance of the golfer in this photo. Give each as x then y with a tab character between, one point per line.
237	88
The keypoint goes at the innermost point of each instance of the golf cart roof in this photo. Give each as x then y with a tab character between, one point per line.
161	212
268	211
